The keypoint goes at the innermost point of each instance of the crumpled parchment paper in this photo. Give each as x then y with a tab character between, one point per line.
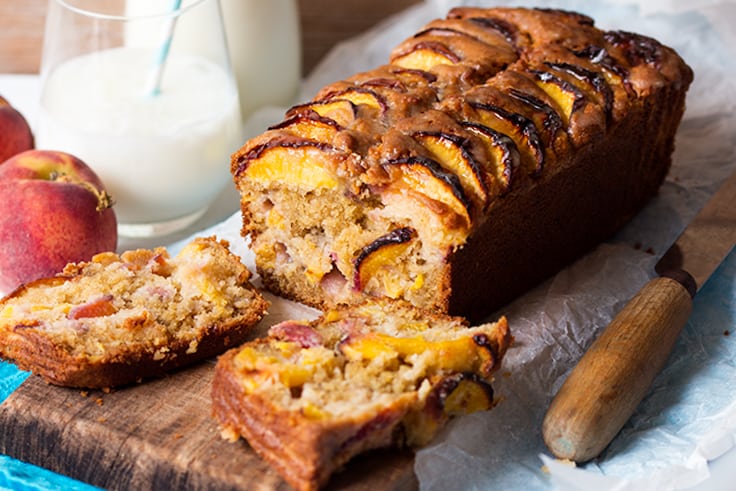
689	416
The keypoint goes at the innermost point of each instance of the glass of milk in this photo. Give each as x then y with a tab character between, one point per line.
153	111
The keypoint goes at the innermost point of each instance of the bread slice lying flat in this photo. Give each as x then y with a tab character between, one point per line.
310	396
122	318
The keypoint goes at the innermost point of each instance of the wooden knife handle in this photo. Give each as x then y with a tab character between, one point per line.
612	378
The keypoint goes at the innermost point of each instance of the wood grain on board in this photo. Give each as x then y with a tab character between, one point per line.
157	435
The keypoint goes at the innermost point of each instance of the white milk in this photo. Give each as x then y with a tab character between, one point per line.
161	157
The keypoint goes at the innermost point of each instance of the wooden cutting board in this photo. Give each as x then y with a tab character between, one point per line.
157	435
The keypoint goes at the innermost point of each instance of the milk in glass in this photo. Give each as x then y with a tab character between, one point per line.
157	118
162	157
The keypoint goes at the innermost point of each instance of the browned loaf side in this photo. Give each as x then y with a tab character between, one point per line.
311	396
120	319
495	147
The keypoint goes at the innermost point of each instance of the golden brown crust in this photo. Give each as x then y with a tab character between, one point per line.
494	134
303	452
85	328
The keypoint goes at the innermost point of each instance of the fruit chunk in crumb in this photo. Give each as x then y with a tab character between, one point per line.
99	307
380	255
465	354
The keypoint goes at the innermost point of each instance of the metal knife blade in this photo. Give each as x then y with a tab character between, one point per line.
614	375
707	240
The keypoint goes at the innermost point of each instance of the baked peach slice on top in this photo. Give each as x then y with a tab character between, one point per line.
293	162
384	78
546	118
310	126
425	179
384	95
455	42
474	32
502	151
519	128
583	116
425	55
505	29
359	96
594	84
452	152
475	42
567	96
342	111
518	92
613	70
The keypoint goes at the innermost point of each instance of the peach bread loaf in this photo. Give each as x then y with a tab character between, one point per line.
311	395
118	319
496	146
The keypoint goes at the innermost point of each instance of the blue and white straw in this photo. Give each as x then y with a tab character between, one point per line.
153	87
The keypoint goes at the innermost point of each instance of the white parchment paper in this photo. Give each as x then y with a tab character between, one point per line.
690	415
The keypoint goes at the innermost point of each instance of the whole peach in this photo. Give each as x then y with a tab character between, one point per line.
15	133
54	210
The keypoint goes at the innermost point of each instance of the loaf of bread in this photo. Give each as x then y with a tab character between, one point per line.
496	146
120	319
310	396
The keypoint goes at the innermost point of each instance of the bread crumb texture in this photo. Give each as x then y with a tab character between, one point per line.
140	305
375	374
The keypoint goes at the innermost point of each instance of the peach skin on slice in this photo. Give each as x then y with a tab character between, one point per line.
567	96
380	255
463	393
517	127
612	70
425	55
592	83
342	111
453	395
310	126
502	150
360	96
453	155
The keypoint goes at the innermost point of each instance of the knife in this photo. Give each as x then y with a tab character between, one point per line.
614	375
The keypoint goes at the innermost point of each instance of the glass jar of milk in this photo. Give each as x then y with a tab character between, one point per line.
153	111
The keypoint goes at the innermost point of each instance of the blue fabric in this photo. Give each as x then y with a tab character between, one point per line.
19	476
10	379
